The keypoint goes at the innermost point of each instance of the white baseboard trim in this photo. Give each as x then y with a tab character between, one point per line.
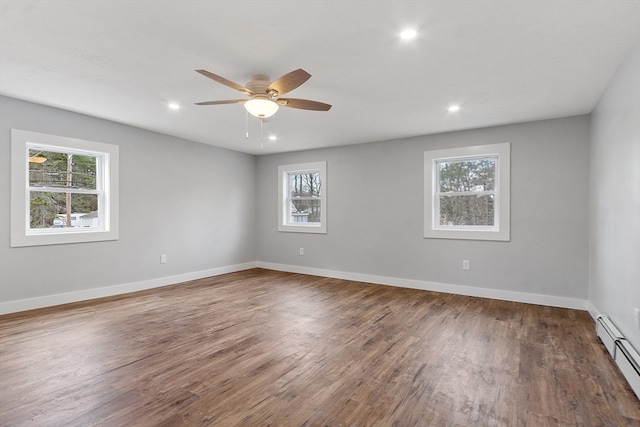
548	300
88	294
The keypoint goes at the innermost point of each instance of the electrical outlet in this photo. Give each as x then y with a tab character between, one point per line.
636	316
163	258
301	251
465	264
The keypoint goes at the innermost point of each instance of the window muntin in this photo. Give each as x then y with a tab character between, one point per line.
302	196
63	190
467	193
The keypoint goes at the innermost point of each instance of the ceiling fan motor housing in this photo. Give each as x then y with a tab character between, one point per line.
259	85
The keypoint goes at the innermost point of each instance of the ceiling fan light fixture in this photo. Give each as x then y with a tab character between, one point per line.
261	107
264	96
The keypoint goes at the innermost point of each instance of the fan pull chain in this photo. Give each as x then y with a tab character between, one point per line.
246	133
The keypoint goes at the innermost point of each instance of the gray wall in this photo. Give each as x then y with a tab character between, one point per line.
375	212
193	202
614	286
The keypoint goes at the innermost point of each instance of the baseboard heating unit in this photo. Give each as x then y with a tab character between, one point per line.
625	356
608	334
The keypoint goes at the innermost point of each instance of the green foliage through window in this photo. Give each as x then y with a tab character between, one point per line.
52	170
466	192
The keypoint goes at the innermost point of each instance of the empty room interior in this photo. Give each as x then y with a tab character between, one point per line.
320	213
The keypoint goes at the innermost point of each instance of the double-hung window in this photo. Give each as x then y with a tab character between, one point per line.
302	196
467	192
64	190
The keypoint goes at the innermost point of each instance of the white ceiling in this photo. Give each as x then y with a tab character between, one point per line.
502	61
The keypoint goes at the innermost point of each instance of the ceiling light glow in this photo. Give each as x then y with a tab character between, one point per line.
408	34
261	107
272	137
173	106
454	108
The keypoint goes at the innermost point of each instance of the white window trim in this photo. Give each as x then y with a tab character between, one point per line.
501	231
283	224
21	233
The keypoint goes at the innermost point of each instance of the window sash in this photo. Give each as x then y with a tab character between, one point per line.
290	179
496	187
438	218
316	211
99	191
291	199
437	194
48	175
101	199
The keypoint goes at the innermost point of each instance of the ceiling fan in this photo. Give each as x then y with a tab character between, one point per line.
265	95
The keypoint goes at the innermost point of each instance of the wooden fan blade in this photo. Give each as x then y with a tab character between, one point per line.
303	104
289	81
224	101
225	82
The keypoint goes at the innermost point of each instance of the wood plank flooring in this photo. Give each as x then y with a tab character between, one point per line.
266	348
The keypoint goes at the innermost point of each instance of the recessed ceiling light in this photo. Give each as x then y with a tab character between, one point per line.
272	137
408	34
454	108
173	106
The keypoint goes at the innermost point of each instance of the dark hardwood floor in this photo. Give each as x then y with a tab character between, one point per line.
266	348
